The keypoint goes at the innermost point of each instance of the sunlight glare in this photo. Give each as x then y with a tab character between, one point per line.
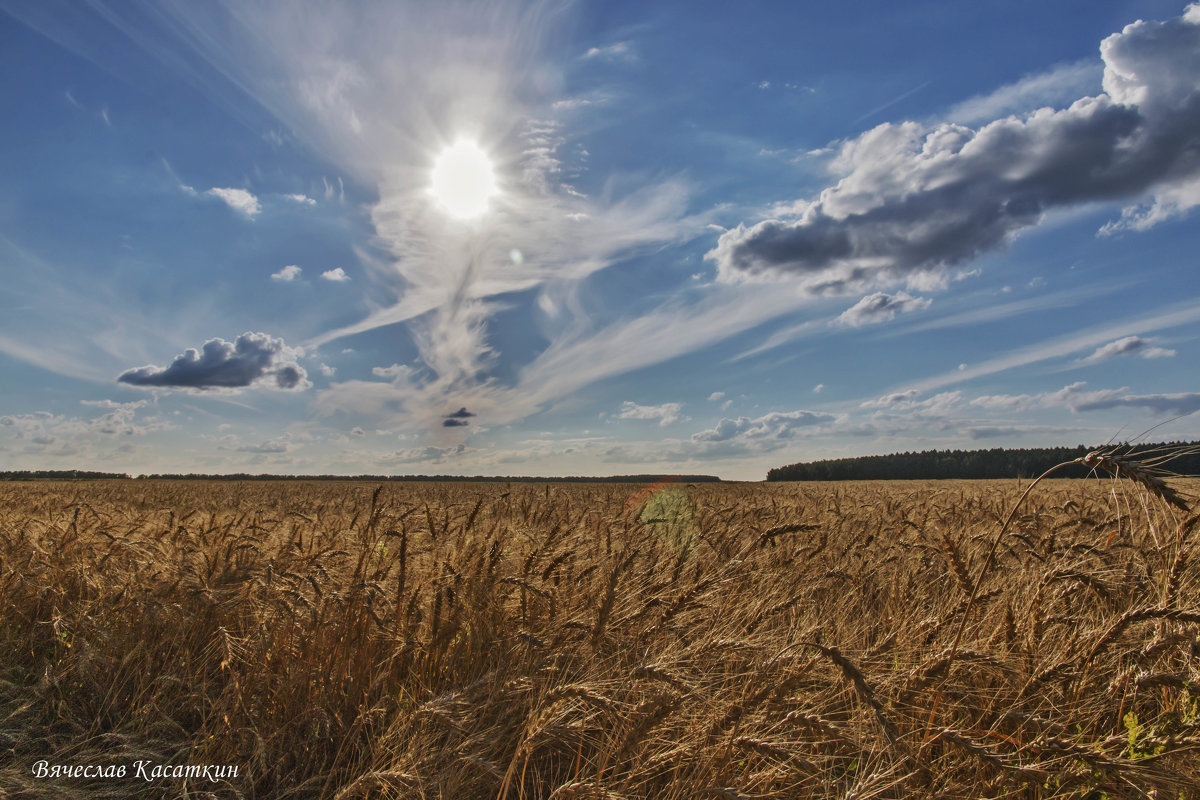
463	180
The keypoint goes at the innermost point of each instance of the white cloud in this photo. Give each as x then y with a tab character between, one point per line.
239	200
914	198
337	275
768	432
301	198
715	396
394	371
327	370
666	414
881	307
1129	345
820	387
618	51
1058	87
288	273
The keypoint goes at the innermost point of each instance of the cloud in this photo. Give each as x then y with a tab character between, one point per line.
327	370
459	419
1129	345
1057	87
666	413
768	430
337	275
425	455
715	396
119	420
301	198
394	371
916	199
276	446
880	307
1077	399
820	387
894	399
239	200
619	51
287	274
253	359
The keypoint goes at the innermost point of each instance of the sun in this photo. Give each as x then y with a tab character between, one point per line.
463	180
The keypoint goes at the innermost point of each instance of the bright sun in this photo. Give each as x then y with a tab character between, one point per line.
463	180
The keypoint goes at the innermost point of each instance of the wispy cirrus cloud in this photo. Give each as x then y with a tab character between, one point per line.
1056	87
881	307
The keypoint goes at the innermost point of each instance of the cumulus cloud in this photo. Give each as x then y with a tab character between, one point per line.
915	199
765	430
394	371
337	275
894	399
881	307
666	413
239	200
119	420
1129	345
288	273
715	396
252	359
301	198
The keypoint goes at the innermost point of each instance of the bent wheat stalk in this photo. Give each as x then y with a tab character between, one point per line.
1119	466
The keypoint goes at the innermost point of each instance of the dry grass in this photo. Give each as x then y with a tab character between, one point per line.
520	642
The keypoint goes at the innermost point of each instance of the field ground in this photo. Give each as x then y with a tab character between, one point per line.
342	640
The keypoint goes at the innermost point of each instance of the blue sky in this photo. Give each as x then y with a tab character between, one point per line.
722	236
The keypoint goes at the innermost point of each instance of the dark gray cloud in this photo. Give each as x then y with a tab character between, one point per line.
253	359
915	199
880	307
450	422
462	413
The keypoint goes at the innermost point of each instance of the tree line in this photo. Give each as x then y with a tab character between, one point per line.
998	462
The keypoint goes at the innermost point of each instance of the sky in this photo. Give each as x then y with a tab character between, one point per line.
592	238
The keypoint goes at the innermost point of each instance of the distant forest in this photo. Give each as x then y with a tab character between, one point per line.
995	463
78	474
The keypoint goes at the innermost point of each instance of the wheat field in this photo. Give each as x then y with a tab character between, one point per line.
532	641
